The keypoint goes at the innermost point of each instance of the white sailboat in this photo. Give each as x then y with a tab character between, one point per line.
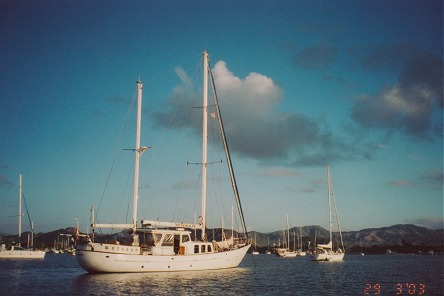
167	246
18	252
255	251
325	252
268	252
362	253
286	252
300	252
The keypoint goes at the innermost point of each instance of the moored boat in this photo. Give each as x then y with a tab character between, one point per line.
287	252
326	252
154	245
19	252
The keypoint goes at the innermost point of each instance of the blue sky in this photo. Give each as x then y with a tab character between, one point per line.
357	85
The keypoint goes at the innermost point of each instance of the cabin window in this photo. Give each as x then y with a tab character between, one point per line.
147	239
185	238
157	238
196	249
202	249
209	248
168	240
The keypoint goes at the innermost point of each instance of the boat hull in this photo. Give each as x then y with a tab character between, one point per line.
104	262
328	257
22	254
288	255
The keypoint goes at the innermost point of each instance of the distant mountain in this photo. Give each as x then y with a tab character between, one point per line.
396	235
393	235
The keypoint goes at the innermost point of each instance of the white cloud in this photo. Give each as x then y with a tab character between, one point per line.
408	105
254	125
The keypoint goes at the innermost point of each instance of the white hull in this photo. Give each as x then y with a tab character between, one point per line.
22	254
286	253
105	262
328	257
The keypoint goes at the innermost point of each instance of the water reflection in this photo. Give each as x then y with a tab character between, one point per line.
258	275
226	282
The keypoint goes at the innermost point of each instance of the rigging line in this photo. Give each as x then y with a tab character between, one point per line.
168	71
183	138
230	166
337	216
182	103
318	228
186	93
217	187
122	131
196	193
217	178
180	115
179	189
27	212
123	196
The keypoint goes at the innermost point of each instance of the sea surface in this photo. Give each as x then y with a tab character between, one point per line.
59	274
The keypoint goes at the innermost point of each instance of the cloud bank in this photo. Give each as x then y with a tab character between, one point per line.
254	126
408	106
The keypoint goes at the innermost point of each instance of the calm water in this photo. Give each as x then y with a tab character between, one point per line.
59	274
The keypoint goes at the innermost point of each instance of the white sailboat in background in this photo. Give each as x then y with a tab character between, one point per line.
300	252
18	252
268	252
167	246
286	252
362	253
325	252
255	251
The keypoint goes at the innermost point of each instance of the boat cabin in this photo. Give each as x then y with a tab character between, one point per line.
171	242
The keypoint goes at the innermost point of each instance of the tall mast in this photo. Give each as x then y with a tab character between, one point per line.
204	141
20	210
288	234
139	152
329	201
